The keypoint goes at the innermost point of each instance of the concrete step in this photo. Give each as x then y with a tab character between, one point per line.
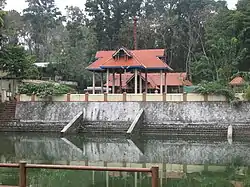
8	120
180	133
17	126
171	129
101	132
110	130
104	127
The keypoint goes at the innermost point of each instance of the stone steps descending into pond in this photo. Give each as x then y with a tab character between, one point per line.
241	130
104	127
185	129
29	126
7	112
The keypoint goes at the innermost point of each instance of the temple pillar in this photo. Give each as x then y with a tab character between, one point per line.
165	83
107	81
120	82
125	76
136	80
101	82
113	83
140	82
146	81
161	82
93	86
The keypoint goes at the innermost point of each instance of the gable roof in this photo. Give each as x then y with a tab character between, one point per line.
123	49
154	80
237	81
140	59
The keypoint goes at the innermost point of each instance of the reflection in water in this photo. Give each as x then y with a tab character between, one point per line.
49	178
182	162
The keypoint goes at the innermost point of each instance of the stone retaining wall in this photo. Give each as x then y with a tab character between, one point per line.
155	112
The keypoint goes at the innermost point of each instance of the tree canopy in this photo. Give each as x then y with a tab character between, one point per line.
202	37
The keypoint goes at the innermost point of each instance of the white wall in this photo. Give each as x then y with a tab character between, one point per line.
9	85
132	97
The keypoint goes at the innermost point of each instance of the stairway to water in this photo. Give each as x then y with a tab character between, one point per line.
7	112
185	129
104	127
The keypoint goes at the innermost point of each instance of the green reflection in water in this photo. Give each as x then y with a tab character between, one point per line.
63	178
51	150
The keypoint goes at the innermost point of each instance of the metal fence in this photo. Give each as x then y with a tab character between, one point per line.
23	166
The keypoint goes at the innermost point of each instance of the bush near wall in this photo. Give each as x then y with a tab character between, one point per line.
216	88
247	93
45	89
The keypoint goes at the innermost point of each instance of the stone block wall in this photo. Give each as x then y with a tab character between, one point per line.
155	112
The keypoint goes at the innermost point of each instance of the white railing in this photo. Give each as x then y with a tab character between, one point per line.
179	97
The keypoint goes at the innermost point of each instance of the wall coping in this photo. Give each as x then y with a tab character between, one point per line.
125	97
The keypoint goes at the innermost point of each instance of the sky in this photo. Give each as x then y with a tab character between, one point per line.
19	5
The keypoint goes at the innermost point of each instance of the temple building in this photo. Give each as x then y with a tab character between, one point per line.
138	63
136	71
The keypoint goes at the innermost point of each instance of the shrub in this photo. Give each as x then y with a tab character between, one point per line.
247	93
44	89
215	88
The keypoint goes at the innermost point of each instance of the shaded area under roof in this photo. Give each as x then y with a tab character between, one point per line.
173	79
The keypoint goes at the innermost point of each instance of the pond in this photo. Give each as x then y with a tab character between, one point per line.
183	161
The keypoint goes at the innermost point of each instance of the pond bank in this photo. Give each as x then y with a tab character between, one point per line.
159	117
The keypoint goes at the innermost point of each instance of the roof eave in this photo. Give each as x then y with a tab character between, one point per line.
94	69
158	68
136	67
121	67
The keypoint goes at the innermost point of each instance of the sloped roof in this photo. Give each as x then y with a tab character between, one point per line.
237	81
154	80
173	79
144	59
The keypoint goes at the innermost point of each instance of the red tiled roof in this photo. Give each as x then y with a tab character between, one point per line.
147	58
121	63
237	81
173	79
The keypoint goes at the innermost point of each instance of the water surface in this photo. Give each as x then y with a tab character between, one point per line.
182	161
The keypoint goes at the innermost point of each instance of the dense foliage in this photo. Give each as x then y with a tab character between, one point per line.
215	88
202	37
15	60
247	93
44	89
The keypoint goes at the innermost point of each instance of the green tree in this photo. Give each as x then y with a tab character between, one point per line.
42	16
13	27
2	14
220	63
243	24
2	4
107	18
77	49
15	60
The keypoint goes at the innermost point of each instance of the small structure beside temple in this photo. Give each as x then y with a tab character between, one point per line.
237	83
133	64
